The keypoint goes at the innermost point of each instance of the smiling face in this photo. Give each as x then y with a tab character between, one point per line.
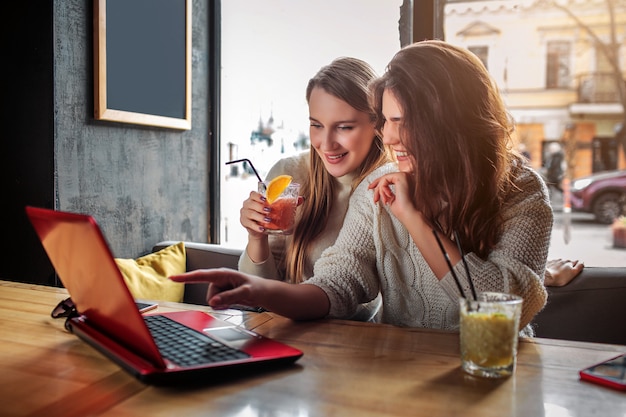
341	135
392	112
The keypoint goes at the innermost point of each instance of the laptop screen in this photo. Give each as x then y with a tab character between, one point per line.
86	267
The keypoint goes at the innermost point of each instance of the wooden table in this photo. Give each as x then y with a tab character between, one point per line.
348	368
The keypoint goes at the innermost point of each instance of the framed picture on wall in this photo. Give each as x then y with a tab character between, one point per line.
142	62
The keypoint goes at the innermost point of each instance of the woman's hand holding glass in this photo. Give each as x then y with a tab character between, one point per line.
253	215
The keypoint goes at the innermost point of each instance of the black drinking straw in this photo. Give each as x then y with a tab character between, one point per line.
467	271
447	257
251	166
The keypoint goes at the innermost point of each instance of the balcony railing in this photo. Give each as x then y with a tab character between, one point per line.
599	87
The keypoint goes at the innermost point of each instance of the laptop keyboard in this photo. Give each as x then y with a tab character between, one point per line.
187	347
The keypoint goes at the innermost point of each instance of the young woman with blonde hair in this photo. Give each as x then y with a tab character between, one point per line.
344	149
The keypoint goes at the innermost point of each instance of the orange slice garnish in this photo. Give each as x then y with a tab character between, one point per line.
276	187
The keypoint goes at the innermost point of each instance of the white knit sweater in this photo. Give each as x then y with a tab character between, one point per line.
374	252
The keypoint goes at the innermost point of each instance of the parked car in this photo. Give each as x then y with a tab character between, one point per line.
603	194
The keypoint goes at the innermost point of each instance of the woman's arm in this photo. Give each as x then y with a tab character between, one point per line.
263	252
228	287
251	216
401	205
348	270
517	263
265	269
259	256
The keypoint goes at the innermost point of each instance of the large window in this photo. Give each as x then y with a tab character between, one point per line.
538	55
558	64
482	52
269	50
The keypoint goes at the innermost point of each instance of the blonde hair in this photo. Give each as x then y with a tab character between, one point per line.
347	79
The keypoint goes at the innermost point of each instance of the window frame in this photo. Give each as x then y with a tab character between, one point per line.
482	52
214	171
554	58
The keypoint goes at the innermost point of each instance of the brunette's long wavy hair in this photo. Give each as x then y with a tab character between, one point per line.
347	79
457	130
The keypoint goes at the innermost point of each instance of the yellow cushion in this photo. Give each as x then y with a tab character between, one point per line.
147	277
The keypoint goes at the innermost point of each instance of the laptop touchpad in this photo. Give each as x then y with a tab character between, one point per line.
232	336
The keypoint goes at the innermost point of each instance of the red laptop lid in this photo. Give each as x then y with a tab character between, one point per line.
86	267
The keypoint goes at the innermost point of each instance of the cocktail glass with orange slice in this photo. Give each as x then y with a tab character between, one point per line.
282	198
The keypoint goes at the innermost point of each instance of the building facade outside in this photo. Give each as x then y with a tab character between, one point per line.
548	61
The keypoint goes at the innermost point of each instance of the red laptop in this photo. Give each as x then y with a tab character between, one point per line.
159	348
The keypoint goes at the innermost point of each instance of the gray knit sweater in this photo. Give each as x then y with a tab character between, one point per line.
374	252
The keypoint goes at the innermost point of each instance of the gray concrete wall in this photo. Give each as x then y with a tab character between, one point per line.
142	184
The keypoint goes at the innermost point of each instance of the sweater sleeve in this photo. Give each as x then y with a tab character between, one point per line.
347	271
518	262
265	269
